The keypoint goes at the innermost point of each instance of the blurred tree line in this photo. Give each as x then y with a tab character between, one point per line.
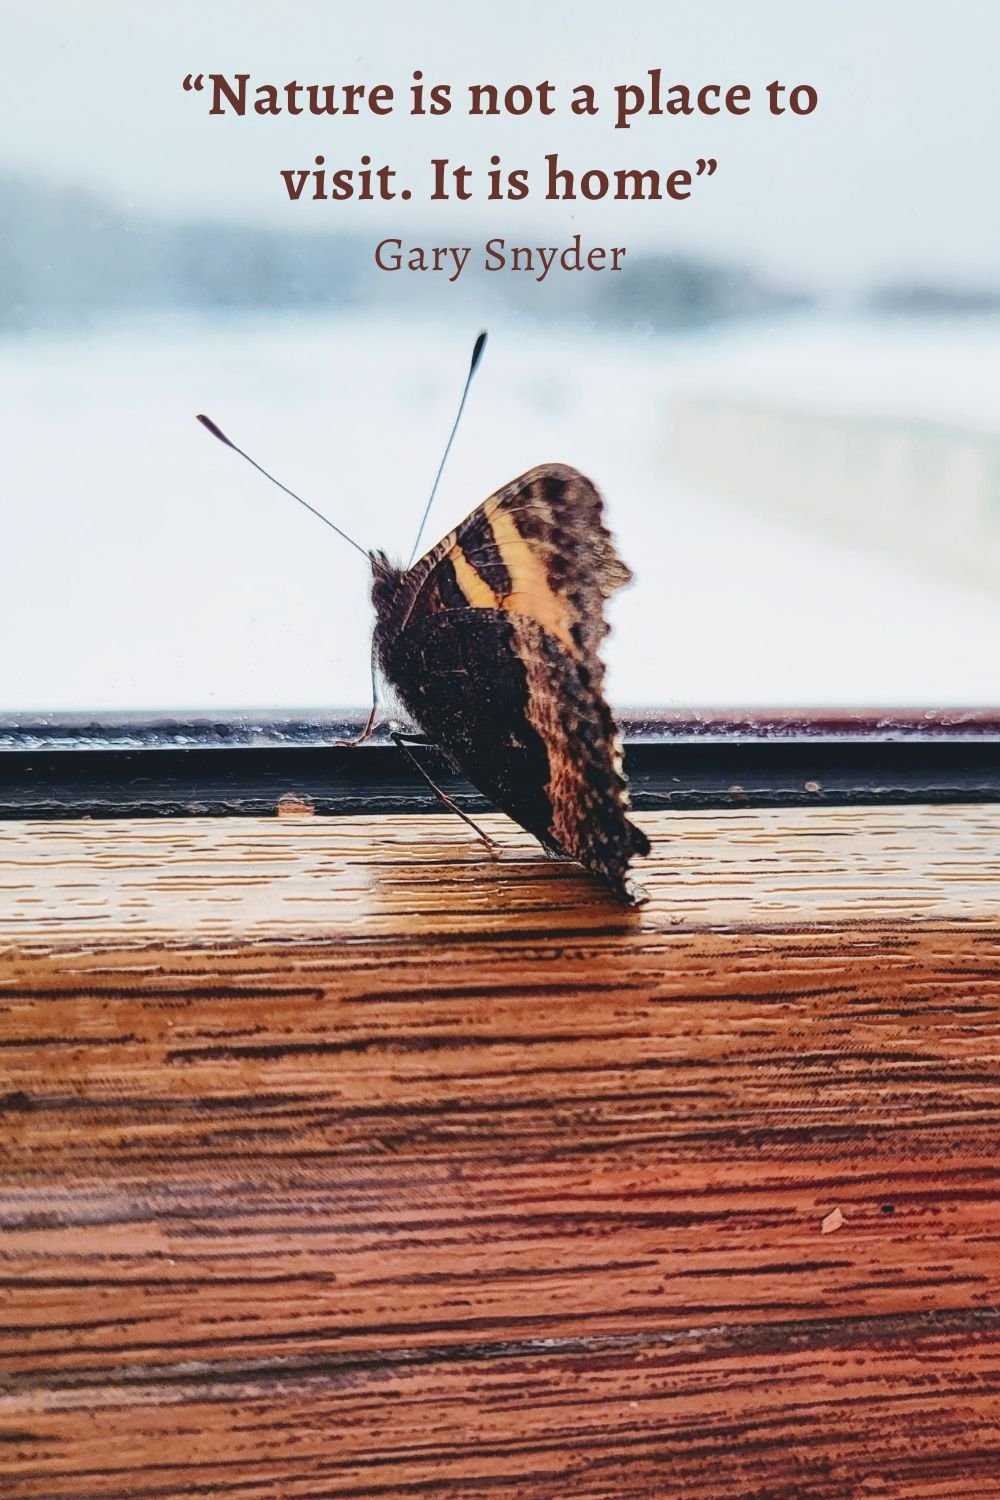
70	258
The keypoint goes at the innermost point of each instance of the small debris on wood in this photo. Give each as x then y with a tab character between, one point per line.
291	806
832	1221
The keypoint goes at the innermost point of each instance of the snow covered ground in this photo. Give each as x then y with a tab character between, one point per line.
145	567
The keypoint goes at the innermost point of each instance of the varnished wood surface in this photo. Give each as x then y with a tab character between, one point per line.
339	1160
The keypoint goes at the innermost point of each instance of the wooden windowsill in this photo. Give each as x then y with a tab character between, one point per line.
337	1159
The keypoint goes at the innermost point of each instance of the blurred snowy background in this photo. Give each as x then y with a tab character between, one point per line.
790	396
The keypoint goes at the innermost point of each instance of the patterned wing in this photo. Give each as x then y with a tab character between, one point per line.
539	548
492	641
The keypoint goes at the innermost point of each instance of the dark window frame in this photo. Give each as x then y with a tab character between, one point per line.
131	765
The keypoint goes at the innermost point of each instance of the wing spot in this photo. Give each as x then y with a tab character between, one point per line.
477	593
531	593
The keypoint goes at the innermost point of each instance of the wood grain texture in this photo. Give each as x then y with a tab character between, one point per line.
340	1160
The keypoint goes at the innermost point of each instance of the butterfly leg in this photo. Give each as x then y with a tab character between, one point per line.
399	740
369	728
365	734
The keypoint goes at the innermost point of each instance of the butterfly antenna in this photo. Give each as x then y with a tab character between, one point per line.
217	432
477	351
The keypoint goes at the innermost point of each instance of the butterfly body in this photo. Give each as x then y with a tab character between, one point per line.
492	642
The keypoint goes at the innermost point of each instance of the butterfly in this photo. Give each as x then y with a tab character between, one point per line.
492	642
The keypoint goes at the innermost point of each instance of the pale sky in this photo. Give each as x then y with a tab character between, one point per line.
894	174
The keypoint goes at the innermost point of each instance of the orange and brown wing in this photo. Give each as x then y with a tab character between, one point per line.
493	639
537	548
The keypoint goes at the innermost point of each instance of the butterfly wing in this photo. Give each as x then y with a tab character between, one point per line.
492	641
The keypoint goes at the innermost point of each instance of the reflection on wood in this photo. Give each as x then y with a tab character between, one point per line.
340	1160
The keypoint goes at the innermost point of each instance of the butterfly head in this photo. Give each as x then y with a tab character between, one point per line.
386	580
